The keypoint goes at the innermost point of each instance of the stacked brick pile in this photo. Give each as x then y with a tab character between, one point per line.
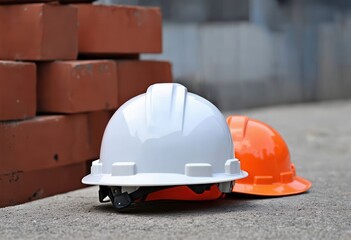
64	70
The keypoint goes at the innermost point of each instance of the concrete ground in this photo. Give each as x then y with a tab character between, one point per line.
319	136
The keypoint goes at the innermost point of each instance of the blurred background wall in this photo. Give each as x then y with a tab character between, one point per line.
249	53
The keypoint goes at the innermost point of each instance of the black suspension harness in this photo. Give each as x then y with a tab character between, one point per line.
122	200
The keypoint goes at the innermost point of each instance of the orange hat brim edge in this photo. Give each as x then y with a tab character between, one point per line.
298	185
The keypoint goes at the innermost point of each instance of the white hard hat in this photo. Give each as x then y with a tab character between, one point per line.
165	137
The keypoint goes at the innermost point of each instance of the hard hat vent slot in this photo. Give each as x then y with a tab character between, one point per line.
263	180
123	168
232	166
286	177
96	167
198	170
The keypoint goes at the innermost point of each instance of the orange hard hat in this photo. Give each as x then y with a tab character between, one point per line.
264	154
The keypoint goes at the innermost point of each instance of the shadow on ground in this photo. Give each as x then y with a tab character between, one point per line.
169	207
242	196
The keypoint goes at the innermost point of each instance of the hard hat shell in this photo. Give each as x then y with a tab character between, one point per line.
265	156
165	137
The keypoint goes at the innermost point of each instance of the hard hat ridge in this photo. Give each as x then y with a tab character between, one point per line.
165	108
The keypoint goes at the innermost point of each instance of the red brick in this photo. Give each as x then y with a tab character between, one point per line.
77	86
17	90
97	123
38	32
110	30
42	1
19	187
134	77
23	1
43	142
77	1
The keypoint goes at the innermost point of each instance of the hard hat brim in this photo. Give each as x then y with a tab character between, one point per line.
158	179
298	185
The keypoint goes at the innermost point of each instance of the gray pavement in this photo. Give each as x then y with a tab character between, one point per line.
319	136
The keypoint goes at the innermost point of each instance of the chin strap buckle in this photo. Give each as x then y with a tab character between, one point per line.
122	201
